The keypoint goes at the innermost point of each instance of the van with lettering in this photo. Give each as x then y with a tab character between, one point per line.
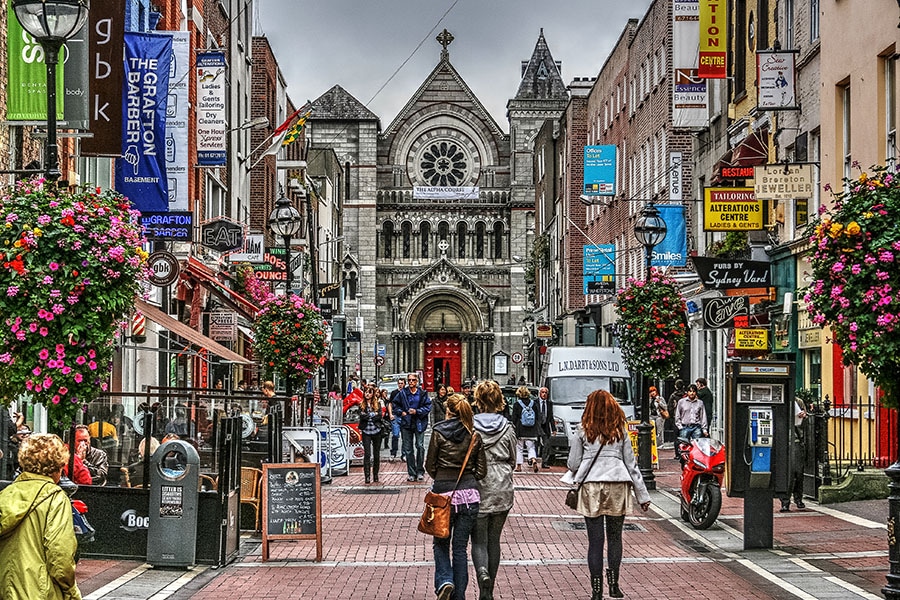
571	374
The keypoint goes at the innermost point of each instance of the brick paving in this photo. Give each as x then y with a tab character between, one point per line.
372	550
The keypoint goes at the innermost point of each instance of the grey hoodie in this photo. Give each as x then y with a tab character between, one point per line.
499	439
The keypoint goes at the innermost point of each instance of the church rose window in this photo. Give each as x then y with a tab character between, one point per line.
444	164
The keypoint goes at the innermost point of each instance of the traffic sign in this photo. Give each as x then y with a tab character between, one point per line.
379	361
517	357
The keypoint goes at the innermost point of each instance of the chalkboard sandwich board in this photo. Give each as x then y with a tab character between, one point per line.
291	504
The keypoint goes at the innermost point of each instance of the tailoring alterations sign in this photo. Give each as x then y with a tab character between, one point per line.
731	209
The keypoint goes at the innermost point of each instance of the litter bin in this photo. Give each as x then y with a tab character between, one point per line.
174	496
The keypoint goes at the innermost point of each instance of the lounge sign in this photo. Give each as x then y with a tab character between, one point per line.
724	274
719	313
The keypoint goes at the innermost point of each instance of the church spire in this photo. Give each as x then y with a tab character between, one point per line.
541	75
445	38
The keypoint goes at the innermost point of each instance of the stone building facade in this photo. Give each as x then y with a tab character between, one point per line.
438	221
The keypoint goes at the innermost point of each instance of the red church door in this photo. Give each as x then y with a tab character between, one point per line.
443	361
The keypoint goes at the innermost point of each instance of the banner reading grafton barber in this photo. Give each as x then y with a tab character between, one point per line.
141	172
211	122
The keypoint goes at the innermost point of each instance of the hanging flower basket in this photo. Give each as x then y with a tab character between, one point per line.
651	326
856	276
72	266
290	337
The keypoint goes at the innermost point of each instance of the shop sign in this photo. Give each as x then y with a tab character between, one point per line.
222	235
809	338
783	182
751	339
719	313
724	274
223	326
731	209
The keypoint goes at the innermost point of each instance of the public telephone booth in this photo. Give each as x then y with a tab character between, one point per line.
759	418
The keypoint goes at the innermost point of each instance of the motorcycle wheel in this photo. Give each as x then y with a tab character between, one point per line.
685	515
704	514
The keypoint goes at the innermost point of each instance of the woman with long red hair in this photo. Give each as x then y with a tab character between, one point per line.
601	457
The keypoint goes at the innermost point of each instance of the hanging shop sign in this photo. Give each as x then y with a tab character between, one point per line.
599	268
751	339
775	74
783	182
223	326
211	119
174	226
719	313
222	235
723	274
731	209
713	39
164	268
690	97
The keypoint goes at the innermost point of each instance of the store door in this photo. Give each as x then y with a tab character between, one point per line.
443	361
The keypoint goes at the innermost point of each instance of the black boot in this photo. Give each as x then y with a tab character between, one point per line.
485	584
366	471
612	577
596	588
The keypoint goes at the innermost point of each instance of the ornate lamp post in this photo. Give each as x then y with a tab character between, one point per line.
650	230
285	221
51	23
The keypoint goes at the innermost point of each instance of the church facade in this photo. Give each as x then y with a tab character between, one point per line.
438	222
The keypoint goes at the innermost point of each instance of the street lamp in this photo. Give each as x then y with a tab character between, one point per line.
285	221
650	231
51	23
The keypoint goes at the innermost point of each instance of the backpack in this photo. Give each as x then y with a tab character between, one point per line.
528	417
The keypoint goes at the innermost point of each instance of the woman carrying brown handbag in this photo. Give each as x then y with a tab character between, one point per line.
600	456
456	461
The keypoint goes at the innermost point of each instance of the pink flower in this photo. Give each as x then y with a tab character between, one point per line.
53	266
78	377
43	331
80	360
63	390
92	366
44	354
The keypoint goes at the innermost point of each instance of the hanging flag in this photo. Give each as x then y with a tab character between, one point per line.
294	134
280	133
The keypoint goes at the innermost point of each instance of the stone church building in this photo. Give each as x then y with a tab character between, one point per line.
438	221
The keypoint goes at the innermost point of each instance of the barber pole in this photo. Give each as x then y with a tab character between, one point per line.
138	328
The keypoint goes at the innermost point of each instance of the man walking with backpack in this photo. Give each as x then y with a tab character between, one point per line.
412	405
528	428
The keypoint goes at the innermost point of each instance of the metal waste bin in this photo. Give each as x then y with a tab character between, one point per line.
174	496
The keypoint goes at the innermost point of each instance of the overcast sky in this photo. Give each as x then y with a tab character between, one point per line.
359	44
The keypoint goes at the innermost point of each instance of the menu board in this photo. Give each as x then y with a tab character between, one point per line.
292	504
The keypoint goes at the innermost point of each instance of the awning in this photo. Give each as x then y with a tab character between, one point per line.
248	333
752	151
191	335
207	277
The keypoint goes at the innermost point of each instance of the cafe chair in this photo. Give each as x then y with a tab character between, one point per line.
250	490
208	484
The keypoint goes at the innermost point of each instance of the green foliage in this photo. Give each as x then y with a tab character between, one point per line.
651	325
856	276
734	244
72	266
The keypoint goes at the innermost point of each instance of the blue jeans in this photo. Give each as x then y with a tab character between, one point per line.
415	462
455	569
691	432
395	435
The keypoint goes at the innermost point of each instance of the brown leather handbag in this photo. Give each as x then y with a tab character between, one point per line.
435	519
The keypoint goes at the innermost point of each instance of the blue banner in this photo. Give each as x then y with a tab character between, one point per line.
600	170
672	251
599	269
141	172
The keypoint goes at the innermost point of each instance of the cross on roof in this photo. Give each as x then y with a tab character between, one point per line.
444	38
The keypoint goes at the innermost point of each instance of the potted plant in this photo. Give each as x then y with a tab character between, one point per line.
651	327
72	266
290	337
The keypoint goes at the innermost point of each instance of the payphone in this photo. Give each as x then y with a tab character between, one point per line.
758	423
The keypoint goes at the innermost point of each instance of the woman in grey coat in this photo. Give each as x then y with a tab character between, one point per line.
499	439
605	497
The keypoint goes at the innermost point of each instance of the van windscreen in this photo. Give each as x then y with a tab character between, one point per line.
575	390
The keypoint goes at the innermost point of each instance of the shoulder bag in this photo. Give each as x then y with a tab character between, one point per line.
572	495
435	519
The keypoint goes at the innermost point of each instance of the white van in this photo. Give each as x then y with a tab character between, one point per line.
571	374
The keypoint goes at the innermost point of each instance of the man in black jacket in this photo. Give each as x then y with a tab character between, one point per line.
706	397
548	425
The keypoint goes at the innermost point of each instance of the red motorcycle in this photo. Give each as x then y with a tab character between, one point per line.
702	470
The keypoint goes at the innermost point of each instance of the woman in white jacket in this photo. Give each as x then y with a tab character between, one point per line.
609	479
